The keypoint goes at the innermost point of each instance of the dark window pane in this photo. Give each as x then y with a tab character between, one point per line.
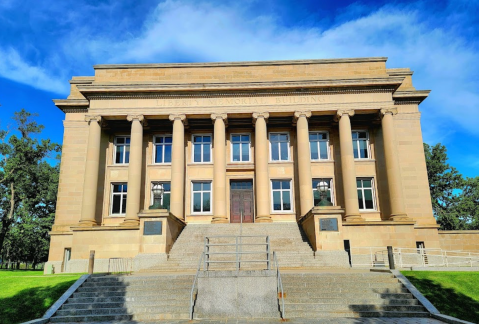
120	140
236	152
125	188
158	139
116	188
119	154
368	197
283	137
363	147
169	139
314	150
284	151
245	138
285	184
286	200
323	148
166	201
123	206
315	183
313	137
167	186
245	152
276	185
367	183
159	154
275	151
197	152
196	186
355	149
206	139
323	136
116	204
206	202
276	200
206	186
197	202
355	135
362	135
127	154
206	153
360	199
167	154
273	137
236	138
127	140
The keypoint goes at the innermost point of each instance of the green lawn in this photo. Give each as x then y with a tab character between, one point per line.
453	293
26	295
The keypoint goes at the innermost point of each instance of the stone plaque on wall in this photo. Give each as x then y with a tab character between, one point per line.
152	228
328	224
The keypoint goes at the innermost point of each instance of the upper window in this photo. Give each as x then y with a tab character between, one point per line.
201	148
118	198
361	144
365	193
281	191
162	148
201	197
165	199
319	144
240	147
279	146
122	149
329	193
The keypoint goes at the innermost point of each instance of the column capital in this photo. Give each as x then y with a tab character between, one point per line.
90	118
342	112
174	117
140	118
223	116
263	114
302	113
391	111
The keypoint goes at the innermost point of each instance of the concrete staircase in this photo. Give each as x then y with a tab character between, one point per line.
128	298
348	294
293	250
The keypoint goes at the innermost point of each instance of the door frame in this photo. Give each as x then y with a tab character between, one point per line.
247	178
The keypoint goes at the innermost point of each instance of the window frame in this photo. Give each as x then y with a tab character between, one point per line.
112	193
115	145
241	149
193	148
273	211
271	148
210	212
331	188
373	193
327	146
163	149
368	144
162	182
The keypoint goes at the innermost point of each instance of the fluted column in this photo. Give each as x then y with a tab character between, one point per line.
347	166
262	184
304	161
398	210
92	165
134	170
219	169
177	194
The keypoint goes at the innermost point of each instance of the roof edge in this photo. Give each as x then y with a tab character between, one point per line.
246	63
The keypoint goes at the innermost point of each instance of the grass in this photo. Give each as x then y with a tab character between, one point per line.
452	293
26	295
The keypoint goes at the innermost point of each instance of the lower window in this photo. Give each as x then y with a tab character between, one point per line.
365	193
165	199
118	198
281	191
201	197
329	193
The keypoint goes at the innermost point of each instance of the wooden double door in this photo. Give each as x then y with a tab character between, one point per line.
241	201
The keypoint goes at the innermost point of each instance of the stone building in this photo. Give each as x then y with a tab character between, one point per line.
241	142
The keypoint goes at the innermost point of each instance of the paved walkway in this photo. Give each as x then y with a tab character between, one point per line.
381	320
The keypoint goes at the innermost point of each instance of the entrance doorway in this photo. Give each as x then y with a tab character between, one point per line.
241	201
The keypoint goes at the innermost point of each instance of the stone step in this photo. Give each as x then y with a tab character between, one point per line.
353	314
127	304
316	293
353	307
122	299
163	288
353	296
346	281
352	285
168	278
118	311
150	283
135	293
95	318
351	301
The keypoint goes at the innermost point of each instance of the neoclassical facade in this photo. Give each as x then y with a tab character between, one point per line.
241	142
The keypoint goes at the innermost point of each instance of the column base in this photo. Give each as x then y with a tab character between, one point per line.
263	219
353	218
399	218
130	222
219	220
87	223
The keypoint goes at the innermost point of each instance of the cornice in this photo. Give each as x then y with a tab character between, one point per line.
411	96
82	80
248	63
72	105
326	86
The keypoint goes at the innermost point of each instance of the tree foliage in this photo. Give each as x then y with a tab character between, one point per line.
28	187
455	200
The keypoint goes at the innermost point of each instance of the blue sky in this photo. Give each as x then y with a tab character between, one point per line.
44	43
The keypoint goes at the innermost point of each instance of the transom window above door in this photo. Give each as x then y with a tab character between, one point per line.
240	147
122	149
279	144
162	147
202	148
319	145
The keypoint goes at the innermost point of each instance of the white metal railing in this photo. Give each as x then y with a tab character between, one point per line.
279	285
371	257
120	265
194	288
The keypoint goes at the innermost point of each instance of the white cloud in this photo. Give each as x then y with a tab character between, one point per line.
14	67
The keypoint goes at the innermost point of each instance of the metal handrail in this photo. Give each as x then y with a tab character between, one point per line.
279	284
194	284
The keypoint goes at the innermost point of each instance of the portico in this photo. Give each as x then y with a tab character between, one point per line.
245	149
